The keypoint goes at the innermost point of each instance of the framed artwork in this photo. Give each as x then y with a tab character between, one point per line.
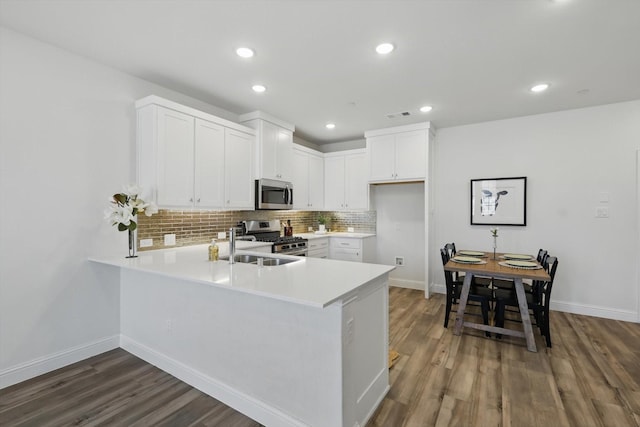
499	201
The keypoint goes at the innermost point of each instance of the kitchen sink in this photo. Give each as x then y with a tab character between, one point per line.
266	261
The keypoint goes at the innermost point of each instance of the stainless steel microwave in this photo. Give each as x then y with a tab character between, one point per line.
273	194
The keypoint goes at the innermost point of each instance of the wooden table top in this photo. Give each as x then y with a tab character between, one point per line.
493	269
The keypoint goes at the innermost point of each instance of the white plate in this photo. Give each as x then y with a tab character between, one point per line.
524	264
466	259
517	256
471	253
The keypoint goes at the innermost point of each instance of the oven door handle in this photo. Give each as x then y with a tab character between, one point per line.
291	196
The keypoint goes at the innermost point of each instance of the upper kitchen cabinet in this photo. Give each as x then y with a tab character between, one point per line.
274	149
345	180
190	159
308	178
398	153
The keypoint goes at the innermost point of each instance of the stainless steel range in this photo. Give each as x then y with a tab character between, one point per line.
269	231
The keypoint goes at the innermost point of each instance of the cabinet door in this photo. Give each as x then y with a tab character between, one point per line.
411	154
334	183
381	157
238	160
356	184
284	154
268	150
209	165
300	179
316	182
175	159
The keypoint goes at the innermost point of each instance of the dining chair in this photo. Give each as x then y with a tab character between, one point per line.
480	294
538	300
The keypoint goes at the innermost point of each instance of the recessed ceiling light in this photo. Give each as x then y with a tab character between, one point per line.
330	125
244	52
426	108
258	88
540	88
384	48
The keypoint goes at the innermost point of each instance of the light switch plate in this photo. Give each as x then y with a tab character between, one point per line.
169	239
350	229
145	243
222	235
602	212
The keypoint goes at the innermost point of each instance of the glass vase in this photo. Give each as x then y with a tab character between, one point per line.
132	245
495	245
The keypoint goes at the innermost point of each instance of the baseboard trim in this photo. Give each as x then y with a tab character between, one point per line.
595	311
437	288
575	308
237	400
408	284
51	362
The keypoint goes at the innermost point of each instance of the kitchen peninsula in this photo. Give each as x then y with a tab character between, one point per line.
300	344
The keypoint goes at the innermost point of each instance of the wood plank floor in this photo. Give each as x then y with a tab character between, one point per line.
591	377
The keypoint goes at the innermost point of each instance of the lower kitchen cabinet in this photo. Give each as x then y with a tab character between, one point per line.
352	249
319	248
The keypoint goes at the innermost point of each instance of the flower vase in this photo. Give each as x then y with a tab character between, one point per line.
132	245
321	228
495	245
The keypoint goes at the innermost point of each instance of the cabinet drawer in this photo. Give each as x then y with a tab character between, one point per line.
346	254
337	242
318	243
319	253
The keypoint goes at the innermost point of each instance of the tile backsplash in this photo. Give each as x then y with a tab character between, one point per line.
193	227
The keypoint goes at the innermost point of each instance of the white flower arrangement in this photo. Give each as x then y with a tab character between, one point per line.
125	206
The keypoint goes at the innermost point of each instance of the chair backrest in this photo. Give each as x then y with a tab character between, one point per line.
444	254
542	255
451	249
448	276
551	265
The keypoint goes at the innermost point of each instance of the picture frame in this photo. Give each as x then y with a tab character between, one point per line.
499	201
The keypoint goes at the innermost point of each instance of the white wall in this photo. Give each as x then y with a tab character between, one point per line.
67	141
400	231
569	159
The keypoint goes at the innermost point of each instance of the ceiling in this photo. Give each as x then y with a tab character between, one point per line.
471	60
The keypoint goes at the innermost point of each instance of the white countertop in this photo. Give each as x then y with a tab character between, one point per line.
310	281
335	234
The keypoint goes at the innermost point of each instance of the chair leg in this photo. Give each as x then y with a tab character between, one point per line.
500	307
485	314
547	333
447	311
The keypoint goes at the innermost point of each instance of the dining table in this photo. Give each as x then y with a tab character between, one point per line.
514	267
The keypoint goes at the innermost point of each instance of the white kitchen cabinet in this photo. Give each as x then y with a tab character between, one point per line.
352	249
274	145
239	186
190	159
307	178
399	153
175	151
209	165
318	247
345	179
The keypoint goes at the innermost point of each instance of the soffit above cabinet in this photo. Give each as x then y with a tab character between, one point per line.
266	117
398	129
156	100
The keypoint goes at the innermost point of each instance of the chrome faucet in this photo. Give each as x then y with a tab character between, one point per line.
232	245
